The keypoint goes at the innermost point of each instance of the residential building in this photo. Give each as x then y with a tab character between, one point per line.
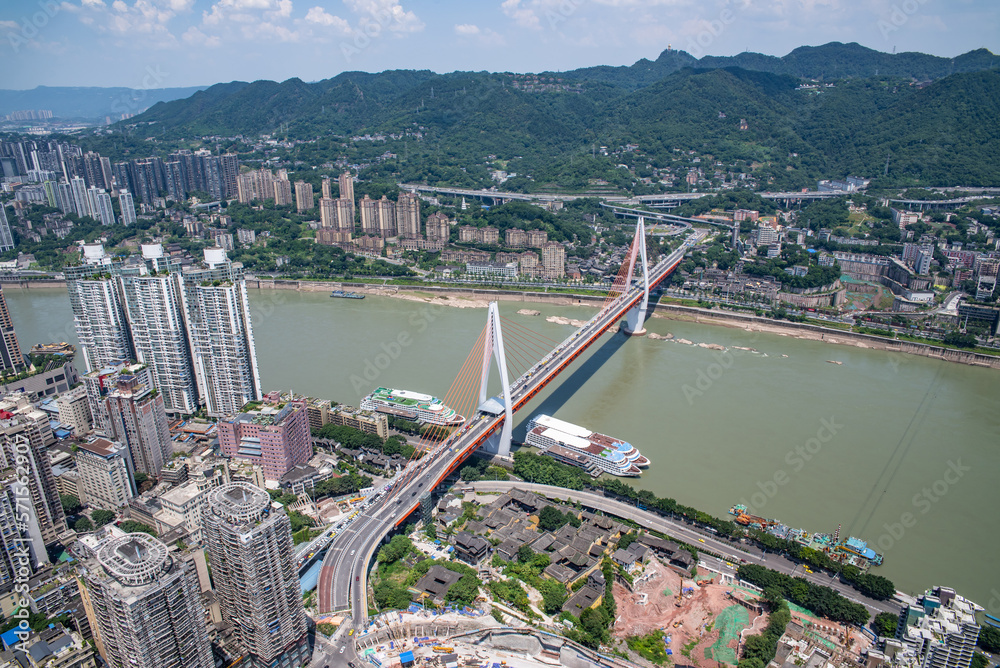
105	476
344	214
22	544
438	227
492	270
346	183
254	572
183	506
127	207
137	418
327	211
537	238
529	264
766	235
100	205
11	359
553	260
283	192
98	311
154	303
74	410
370	422
378	217
6	238
940	631
274	434
304	197
902	217
247	237
408	215
516	238
25	435
221	334
326	188
144	602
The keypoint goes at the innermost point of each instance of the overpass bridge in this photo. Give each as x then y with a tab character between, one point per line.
657	201
343	581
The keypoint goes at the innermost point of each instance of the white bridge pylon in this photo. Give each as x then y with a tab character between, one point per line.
636	317
498	444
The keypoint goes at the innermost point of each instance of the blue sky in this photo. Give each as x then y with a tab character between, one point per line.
164	43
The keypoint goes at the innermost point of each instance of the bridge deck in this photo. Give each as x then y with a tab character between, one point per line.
343	579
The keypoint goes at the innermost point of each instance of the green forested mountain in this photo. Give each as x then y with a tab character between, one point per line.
945	132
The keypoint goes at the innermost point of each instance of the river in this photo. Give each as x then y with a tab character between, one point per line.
900	450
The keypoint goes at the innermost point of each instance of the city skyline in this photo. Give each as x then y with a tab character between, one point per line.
202	42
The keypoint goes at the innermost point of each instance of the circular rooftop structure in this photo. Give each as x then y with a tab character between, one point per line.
239	501
134	559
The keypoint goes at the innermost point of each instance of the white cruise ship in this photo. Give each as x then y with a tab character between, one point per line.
576	445
411	406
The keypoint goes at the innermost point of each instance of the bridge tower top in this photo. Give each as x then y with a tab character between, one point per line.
637	316
498	444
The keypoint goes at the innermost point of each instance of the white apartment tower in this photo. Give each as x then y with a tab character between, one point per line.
127	207
155	308
221	335
98	313
254	573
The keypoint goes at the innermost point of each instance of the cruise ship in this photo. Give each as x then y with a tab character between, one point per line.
411	406
572	444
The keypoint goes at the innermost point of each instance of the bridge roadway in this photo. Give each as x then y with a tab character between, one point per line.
730	551
652	200
343	580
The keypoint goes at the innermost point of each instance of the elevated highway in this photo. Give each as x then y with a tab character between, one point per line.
343	581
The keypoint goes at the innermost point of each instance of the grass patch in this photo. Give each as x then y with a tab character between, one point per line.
690	646
649	647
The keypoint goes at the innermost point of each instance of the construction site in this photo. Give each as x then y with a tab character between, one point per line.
700	618
703	619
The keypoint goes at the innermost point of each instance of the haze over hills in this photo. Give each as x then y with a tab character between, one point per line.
89	103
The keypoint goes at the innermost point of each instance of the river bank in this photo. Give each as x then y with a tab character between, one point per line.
480	298
810	332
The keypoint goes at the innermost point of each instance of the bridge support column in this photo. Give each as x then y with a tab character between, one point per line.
636	317
498	443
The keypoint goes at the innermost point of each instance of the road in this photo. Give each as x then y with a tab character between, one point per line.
343	580
678	530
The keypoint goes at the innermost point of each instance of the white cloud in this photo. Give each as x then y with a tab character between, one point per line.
524	16
320	17
197	38
9	25
386	13
479	36
147	19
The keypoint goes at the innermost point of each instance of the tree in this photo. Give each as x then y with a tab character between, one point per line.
989	639
71	504
875	586
469	473
397	548
524	554
102	517
553	595
464	591
83	525
132	526
550	518
979	660
884	624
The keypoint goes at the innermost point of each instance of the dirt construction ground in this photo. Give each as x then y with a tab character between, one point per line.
708	622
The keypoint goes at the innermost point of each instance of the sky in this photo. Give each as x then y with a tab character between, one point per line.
169	43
